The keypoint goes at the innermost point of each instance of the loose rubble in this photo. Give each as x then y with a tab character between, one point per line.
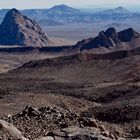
50	123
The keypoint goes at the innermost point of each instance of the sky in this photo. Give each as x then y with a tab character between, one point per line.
28	4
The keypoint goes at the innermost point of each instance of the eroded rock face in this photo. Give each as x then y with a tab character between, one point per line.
17	29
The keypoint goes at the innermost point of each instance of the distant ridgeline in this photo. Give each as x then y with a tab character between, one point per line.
62	14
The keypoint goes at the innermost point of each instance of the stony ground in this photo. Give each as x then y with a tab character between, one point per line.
98	97
56	123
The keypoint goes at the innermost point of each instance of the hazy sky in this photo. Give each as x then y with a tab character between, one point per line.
25	4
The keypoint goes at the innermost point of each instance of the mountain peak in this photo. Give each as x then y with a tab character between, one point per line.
128	34
14	10
17	29
12	13
120	7
62	6
62	9
110	38
110	30
118	10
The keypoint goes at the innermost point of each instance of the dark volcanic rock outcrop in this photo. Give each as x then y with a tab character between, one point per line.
109	38
128	34
17	29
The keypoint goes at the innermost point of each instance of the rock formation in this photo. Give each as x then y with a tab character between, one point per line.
109	38
128	34
17	29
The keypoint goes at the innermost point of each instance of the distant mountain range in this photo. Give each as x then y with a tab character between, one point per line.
118	10
63	14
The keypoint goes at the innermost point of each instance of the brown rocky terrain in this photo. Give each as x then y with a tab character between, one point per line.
35	121
17	29
79	95
71	90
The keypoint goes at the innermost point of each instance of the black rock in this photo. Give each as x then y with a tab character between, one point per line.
109	38
128	34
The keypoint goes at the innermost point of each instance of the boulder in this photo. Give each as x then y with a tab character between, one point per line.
11	131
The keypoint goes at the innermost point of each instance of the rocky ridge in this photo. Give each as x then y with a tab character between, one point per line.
108	39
